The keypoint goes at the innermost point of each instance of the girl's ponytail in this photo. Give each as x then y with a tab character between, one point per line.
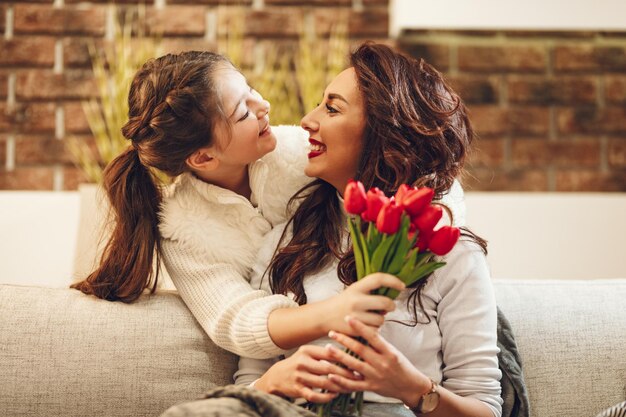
126	266
173	105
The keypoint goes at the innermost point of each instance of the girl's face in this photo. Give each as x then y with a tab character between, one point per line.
250	136
336	129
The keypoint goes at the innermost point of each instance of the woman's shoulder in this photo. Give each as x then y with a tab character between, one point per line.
465	264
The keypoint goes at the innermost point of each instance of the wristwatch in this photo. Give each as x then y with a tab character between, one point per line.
428	402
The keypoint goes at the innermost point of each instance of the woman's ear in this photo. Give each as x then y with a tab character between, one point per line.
203	160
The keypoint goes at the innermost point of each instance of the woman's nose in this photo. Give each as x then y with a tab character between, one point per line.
309	122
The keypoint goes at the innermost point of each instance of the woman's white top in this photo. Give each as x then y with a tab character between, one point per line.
454	342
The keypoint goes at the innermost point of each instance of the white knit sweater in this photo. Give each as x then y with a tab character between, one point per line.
211	236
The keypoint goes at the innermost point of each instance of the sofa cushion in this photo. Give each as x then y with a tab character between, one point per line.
572	339
63	353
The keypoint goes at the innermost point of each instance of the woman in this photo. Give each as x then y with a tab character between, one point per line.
194	116
386	120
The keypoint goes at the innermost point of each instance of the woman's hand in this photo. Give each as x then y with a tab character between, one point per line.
298	376
383	370
358	302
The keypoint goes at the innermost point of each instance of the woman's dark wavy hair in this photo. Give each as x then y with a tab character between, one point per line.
417	132
173	107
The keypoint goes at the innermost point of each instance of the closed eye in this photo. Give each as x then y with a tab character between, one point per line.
245	116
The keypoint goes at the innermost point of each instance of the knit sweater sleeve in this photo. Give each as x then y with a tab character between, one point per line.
233	314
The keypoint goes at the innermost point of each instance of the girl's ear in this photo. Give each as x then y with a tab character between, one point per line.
203	160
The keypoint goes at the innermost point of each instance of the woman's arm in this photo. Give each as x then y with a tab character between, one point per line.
466	315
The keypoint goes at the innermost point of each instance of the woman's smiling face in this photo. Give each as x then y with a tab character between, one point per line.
336	129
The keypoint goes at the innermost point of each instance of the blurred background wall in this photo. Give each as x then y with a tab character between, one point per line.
549	106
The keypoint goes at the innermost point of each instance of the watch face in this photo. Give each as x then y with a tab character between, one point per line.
430	401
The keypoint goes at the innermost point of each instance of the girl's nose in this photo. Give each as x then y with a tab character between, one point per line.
263	108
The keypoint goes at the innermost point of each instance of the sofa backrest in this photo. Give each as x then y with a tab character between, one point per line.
66	354
572	339
63	353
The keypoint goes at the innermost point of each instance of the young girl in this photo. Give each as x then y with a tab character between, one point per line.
193	116
386	120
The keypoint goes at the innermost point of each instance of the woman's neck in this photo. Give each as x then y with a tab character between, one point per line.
236	179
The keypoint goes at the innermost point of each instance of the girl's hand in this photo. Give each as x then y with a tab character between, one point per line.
383	370
298	375
356	301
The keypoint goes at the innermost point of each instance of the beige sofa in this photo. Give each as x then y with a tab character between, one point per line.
66	354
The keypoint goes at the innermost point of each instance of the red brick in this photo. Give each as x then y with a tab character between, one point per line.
589	180
40	150
34	117
6	119
494	121
617	153
313	3
36	51
485	179
476	89
73	177
3	10
553	34
176	21
75	119
268	22
510	58
209	2
592	120
76	51
74	84
615	89
562	90
370	22
27	178
487	153
538	153
176	45
437	55
4	84
581	58
3	149
62	21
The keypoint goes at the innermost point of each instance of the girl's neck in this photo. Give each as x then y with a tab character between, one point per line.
236	180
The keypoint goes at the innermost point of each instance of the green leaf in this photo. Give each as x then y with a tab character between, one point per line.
399	252
408	267
423	271
380	252
358	249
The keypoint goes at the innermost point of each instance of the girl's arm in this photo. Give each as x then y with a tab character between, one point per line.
252	322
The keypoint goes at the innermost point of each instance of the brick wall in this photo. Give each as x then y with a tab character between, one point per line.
45	68
549	107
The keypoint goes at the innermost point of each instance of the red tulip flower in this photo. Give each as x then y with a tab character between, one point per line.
354	198
416	200
428	218
443	240
403	190
375	201
423	240
389	218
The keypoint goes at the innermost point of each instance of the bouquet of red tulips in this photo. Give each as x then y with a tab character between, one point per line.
400	240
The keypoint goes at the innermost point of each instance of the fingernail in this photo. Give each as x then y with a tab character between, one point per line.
347	319
332	334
